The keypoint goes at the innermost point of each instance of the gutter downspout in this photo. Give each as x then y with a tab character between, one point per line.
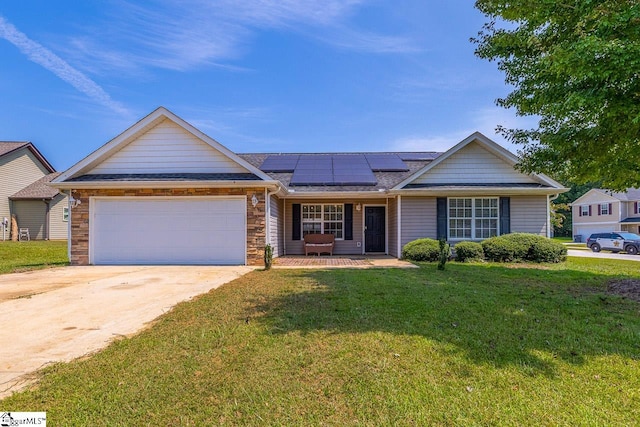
47	212
267	199
68	193
399	245
549	226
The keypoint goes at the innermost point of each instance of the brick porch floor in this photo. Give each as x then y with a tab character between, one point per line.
339	261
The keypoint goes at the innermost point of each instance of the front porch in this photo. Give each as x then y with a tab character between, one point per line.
341	261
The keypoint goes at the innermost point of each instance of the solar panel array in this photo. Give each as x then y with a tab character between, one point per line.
339	169
280	163
313	170
352	169
386	162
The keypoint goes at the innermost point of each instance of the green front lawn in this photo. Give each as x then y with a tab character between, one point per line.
22	256
476	344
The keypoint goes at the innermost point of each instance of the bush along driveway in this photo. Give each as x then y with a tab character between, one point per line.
483	344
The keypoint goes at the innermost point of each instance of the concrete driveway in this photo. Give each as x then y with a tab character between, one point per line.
602	255
60	314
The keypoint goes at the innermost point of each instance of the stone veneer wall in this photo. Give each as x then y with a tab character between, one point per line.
256	231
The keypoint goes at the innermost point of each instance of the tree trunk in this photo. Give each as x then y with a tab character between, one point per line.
14	228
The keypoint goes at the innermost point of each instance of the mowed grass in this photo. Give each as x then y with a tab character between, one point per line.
476	344
31	255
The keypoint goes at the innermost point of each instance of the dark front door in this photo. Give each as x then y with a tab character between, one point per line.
374	233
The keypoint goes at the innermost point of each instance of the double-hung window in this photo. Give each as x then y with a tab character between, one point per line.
323	219
584	210
473	218
604	209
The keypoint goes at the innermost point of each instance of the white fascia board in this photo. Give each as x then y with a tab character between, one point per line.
77	185
102	152
493	147
215	144
473	191
578	224
143	124
606	198
337	195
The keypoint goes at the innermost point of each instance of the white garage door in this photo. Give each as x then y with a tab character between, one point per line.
586	231
168	231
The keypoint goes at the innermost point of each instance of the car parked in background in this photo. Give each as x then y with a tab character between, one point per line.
615	242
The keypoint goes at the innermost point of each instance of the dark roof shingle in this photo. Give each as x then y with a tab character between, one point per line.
38	189
9	146
145	177
385	180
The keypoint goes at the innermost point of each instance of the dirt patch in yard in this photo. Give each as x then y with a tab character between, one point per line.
628	288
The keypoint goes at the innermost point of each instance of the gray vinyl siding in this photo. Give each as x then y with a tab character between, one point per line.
342	247
31	214
275	226
17	170
57	227
392	222
529	214
418	218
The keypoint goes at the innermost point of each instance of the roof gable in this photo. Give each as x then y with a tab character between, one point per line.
161	143
595	195
475	161
167	148
8	147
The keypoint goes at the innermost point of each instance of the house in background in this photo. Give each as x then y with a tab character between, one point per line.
24	174
602	211
163	192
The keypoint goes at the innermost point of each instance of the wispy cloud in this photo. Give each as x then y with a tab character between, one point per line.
184	34
484	120
47	59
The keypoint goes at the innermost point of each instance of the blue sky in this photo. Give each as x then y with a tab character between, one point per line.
256	75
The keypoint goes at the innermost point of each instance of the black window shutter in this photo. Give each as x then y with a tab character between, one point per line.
610	208
505	215
348	221
296	222
599	210
589	210
441	217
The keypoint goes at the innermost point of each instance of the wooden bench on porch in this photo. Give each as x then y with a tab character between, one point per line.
319	243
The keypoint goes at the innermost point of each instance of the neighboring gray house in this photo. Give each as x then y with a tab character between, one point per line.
24	174
602	211
164	192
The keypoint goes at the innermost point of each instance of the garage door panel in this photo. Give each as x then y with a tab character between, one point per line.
169	231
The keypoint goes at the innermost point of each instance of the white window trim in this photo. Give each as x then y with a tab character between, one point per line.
65	209
602	206
322	221
473	218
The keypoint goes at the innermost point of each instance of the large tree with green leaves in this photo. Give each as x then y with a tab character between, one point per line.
575	64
